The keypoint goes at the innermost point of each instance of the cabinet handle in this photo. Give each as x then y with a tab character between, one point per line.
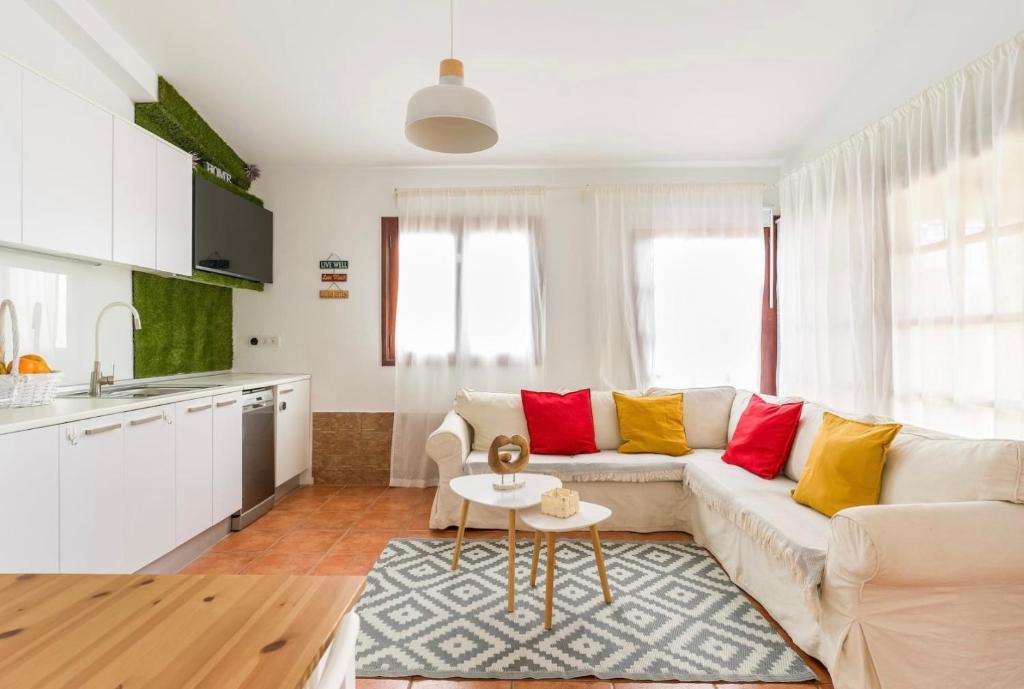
148	419
226	403
102	429
202	407
285	391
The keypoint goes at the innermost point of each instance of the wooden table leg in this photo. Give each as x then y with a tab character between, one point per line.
511	560
536	558
549	584
462	530
595	538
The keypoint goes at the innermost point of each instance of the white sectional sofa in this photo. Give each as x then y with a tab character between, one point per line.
925	589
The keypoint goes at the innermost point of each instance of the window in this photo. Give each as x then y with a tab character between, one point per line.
468	293
706	309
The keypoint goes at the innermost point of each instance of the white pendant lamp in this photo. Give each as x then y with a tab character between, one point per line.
451	117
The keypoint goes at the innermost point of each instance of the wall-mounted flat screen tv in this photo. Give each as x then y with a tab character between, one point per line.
231	235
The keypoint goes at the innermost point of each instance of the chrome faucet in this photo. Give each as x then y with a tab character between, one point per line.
97	380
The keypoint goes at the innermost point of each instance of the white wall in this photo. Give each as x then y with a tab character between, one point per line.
28	39
939	38
319	210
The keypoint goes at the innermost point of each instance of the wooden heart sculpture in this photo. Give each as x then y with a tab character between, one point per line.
502	462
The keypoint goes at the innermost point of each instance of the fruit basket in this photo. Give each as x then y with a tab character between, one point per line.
22	389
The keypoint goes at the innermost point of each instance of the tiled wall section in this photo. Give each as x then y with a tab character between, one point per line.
352	448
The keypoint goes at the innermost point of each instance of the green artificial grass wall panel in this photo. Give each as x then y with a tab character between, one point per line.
173	118
186	326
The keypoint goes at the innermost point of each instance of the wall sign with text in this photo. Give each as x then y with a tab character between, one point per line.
333	263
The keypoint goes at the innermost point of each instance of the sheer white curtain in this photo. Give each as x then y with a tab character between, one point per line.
680	271
926	321
470	308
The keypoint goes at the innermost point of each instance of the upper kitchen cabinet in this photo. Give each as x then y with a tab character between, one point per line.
10	152
135	185
173	210
67	164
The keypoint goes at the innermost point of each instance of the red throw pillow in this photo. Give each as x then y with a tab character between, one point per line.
559	424
764	437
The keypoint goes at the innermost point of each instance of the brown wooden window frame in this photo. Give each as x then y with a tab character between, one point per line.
388	288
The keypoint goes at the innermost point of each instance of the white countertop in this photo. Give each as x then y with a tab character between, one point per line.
64	410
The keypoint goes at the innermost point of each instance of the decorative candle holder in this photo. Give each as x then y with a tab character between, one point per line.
560	502
501	463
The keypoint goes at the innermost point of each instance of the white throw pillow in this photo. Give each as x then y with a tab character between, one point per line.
705	414
491	414
925	466
606	418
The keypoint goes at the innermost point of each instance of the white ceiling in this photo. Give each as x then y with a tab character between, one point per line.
573	82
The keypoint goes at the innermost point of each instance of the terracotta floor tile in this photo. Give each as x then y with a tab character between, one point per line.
347	563
345	501
283	563
301	503
461	684
307	541
374	683
218	563
247	540
356	539
318	491
561	684
278	521
398	519
330	519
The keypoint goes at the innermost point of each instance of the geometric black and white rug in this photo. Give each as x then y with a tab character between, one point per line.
675	615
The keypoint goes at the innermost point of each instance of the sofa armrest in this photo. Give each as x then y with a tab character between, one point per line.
932	544
449	446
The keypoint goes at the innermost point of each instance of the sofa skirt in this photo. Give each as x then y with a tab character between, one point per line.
640	507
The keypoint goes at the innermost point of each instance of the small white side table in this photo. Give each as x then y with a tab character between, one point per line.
479	488
589	516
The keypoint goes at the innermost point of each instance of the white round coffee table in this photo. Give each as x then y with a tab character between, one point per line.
589	516
479	488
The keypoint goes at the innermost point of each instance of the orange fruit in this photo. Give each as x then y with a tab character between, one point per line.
33	363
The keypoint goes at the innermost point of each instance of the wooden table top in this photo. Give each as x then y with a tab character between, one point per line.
126	631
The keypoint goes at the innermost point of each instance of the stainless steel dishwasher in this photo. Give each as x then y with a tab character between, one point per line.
257	457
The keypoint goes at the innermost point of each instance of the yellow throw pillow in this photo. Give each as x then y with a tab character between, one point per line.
651	424
844	467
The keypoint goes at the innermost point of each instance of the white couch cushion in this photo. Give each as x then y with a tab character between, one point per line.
606	418
705	414
766	513
926	466
806	430
607	465
501	413
491	414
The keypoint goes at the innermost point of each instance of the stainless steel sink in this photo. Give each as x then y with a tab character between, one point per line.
138	391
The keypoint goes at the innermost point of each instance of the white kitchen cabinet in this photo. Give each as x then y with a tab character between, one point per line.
10	152
134	240
293	430
92	495
149	470
173	210
193	423
227	455
67	171
29	535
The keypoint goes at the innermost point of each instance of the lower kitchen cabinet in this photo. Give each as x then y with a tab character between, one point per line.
29	538
227	455
149	461
193	435
92	495
293	430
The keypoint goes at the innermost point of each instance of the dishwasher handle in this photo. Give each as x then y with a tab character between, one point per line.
257	405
